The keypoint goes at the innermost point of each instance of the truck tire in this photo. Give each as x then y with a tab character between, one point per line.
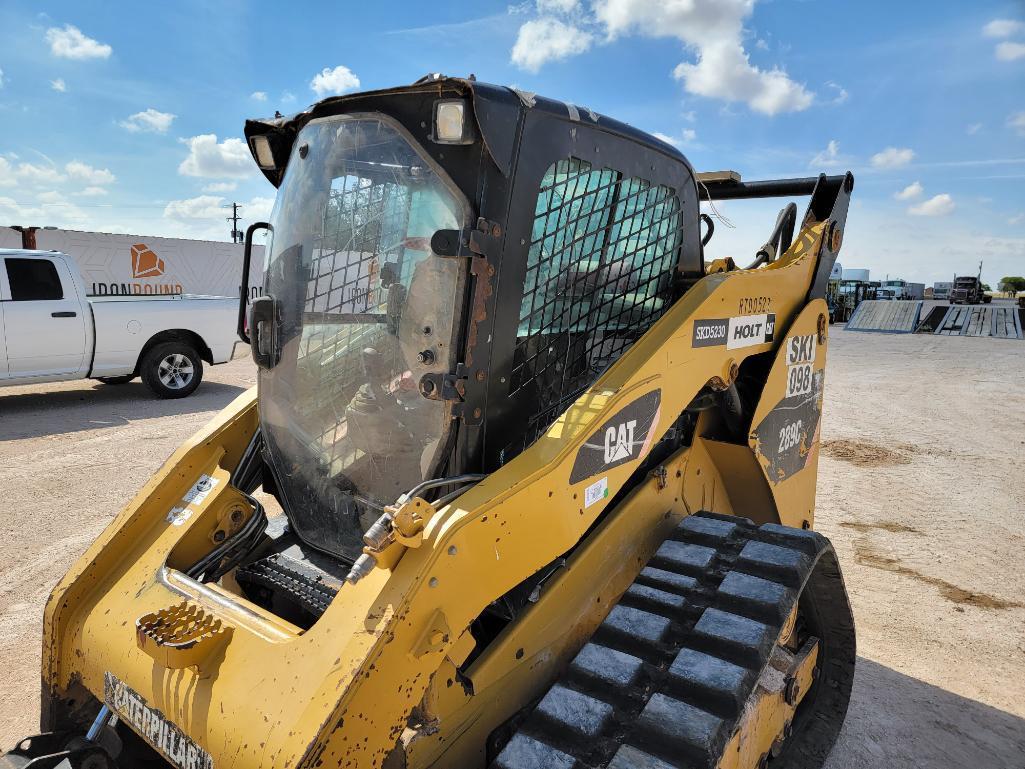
115	380
171	369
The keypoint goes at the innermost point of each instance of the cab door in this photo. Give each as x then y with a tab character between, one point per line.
44	323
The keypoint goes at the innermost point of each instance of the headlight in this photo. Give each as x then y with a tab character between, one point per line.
260	146
452	122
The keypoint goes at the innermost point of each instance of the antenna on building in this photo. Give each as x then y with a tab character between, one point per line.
236	233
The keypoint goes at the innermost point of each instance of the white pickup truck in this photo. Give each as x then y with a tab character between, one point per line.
50	330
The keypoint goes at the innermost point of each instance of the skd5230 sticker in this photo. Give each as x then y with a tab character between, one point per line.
735	333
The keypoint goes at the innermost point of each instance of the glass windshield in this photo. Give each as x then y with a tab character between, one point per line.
364	310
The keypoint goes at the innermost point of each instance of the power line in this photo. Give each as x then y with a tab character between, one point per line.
236	233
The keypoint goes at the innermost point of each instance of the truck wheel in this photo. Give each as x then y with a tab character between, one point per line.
115	380
172	370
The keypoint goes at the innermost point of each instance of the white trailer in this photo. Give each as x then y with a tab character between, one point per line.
143	265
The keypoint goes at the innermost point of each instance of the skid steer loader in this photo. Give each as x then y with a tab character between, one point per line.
525	483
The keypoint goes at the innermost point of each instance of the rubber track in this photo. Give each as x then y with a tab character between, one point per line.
663	681
272	573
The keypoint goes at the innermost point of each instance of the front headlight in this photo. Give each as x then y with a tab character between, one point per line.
452	122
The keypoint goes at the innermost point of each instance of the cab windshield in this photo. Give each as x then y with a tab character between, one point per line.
364	311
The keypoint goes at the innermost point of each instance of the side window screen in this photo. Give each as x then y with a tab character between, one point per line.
599	273
33	279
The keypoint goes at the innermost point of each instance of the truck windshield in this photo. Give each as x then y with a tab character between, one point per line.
365	309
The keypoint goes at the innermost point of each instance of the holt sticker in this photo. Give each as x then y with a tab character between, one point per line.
736	332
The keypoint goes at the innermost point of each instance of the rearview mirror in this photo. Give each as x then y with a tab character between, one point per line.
243	291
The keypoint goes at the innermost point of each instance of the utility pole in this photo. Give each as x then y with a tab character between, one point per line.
236	233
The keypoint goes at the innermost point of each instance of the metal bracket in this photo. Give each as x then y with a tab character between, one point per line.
486	238
445	387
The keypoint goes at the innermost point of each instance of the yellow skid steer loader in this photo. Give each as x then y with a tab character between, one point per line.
525	482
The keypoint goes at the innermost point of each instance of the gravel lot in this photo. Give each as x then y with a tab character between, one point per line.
920	488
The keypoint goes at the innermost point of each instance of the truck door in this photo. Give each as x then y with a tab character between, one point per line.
3	344
44	323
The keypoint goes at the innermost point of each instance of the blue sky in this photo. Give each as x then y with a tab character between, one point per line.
127	118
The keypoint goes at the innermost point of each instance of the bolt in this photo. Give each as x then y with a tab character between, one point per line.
433	582
496	230
790	691
426	357
476	413
219	535
427	386
427	331
236	516
836	238
481	375
452	550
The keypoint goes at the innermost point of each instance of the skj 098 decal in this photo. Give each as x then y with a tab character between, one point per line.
800	357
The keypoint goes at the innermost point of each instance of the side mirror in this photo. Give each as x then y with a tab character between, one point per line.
243	292
263	325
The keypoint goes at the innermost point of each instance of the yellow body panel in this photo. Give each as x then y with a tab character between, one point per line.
339	694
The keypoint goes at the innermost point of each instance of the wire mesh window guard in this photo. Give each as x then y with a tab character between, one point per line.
599	273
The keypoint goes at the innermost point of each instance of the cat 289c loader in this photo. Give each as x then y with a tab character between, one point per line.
525	482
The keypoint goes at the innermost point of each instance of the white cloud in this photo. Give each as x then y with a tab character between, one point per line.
35	174
220	187
973	129
258	96
761	45
1003	28
686	136
547	39
331	82
149	121
1008	51
92	192
210	159
51	209
201	207
68	42
82	172
938	205
557	6
830	157
893	157
1017	219
59	85
204	215
910	192
258	209
714	30
840	92
1017	122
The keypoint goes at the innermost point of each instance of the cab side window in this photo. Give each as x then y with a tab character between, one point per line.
600	266
33	279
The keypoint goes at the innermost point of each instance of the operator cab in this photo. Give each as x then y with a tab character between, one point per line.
449	265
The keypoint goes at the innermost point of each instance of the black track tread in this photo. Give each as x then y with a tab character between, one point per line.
274	573
663	681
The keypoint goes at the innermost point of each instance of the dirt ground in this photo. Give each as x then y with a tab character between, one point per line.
921	489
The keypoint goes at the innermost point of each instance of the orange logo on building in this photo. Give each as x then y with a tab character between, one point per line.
145	262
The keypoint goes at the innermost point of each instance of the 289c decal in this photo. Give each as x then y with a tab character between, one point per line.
789	436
